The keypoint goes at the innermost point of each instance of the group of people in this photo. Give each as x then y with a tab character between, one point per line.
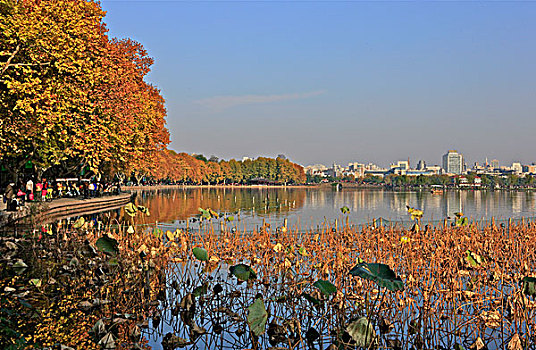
15	195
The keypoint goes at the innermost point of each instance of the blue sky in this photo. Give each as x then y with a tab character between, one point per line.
328	81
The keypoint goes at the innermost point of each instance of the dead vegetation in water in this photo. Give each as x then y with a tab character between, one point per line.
442	287
72	285
464	287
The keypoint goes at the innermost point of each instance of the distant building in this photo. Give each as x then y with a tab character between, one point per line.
517	168
529	169
375	170
337	170
402	164
400	167
495	164
380	173
453	162
478	169
317	169
435	169
421	165
356	169
416	172
374	167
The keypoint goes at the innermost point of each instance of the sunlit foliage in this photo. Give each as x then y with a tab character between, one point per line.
70	97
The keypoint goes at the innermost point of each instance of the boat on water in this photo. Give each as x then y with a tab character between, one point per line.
437	189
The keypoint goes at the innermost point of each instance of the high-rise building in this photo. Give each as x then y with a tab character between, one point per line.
421	165
453	162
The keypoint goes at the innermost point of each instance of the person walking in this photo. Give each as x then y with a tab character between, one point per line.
44	190
29	190
38	191
85	189
8	195
21	195
59	187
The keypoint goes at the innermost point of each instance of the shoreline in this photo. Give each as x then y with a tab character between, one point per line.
161	187
64	207
322	186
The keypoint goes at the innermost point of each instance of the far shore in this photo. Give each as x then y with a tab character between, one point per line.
344	185
159	187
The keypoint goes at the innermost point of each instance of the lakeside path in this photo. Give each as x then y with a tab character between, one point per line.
64	207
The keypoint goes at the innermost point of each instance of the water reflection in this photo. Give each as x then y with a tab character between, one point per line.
180	204
309	207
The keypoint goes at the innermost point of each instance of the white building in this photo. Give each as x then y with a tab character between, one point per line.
316	169
517	168
453	162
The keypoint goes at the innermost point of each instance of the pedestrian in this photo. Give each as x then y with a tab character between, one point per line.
8	196
49	193
86	189
38	190
44	190
59	187
21	195
92	188
29	190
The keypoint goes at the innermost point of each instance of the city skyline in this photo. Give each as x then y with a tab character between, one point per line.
324	81
414	163
412	160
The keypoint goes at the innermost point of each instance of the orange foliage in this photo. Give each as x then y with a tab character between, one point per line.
184	168
69	94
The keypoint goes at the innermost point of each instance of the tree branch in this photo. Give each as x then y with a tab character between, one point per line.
26	65
6	65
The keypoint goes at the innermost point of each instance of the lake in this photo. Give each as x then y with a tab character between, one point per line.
310	207
204	306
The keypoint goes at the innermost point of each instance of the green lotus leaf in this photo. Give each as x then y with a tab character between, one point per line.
200	253
108	245
474	259
379	273
257	317
529	286
243	272
326	287
205	214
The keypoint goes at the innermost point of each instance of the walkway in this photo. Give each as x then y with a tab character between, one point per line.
64	207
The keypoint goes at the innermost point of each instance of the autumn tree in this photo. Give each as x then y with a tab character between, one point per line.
69	96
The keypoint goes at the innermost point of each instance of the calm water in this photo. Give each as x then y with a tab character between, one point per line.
306	207
309	207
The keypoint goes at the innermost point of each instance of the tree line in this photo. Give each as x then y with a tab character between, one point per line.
486	181
73	101
172	167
